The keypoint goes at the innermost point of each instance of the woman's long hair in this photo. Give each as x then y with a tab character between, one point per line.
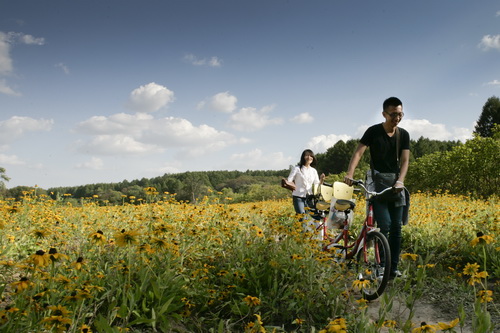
303	158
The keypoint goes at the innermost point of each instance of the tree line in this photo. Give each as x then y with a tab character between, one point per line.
463	168
238	185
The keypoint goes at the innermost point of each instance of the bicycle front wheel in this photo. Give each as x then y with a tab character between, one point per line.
373	265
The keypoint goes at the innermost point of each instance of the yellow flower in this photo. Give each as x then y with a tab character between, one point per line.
298	321
59	310
98	237
482	275
56	321
251	300
55	256
256	326
389	323
337	326
485	296
473	280
360	284
296	257
362	303
85	329
40	258
424	328
258	231
444	326
8	263
124	238
481	239
409	256
78	263
471	269
476	278
23	284
41	233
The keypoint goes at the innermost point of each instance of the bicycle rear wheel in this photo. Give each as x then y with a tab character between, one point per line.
374	265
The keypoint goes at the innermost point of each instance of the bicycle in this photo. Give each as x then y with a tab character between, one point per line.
370	251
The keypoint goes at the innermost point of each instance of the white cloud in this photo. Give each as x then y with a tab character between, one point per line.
320	143
95	163
493	83
302	118
221	102
490	42
6	64
16	126
215	62
250	119
19	37
498	14
62	66
257	160
30	40
150	97
212	62
179	132
423	127
10	160
5	89
120	123
171	167
117	144
142	133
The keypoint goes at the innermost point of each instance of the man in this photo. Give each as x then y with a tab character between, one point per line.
383	139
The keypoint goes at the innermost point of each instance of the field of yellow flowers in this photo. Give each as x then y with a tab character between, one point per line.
170	266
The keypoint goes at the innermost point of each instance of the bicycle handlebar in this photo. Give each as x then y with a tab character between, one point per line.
361	184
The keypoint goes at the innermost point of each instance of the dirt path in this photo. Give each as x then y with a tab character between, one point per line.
424	312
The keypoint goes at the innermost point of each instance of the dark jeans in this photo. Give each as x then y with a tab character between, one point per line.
299	204
389	220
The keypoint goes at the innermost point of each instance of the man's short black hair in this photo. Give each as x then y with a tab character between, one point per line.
391	101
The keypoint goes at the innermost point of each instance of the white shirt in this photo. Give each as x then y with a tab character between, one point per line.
304	178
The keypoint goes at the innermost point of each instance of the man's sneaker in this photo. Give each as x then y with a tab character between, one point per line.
395	274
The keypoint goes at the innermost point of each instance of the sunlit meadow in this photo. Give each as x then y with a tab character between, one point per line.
166	266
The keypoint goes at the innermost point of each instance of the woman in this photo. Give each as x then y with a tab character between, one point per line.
304	175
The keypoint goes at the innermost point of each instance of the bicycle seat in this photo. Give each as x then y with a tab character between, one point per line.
322	205
343	204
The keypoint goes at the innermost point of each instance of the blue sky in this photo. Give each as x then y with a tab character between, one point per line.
102	91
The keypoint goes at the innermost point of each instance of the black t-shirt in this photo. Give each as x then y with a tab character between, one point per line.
383	147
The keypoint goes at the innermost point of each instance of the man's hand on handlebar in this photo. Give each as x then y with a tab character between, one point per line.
398	187
348	180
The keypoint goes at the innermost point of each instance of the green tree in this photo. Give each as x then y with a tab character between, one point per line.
336	158
3	179
424	146
261	192
471	168
195	185
488	118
